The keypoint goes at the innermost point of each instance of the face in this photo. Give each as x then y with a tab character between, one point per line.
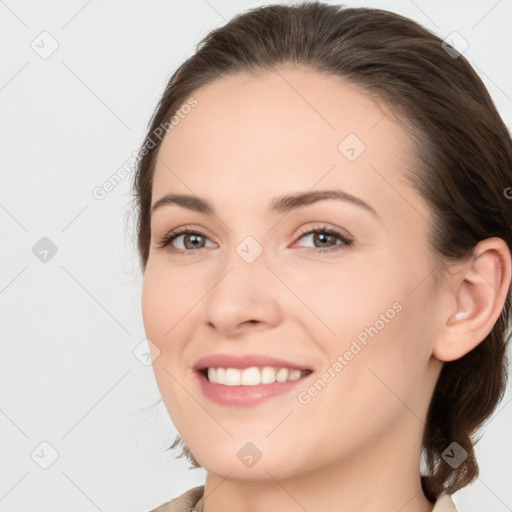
340	286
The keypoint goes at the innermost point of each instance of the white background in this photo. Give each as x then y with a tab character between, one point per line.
69	325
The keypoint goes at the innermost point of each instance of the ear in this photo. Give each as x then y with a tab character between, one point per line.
477	296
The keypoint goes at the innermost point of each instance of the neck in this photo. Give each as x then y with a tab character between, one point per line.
384	477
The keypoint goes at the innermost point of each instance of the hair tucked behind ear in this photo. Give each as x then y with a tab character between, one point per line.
463	165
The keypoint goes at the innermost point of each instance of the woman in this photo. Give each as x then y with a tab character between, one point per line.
325	231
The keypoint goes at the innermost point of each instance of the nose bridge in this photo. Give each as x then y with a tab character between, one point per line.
250	250
248	275
246	289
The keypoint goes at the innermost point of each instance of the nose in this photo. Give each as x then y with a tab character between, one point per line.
246	296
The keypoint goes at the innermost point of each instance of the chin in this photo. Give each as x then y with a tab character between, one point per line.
243	461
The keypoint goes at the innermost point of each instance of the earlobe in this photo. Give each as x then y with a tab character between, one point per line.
479	295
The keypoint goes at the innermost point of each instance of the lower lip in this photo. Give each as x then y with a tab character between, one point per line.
246	396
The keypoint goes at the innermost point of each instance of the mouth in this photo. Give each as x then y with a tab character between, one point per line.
252	376
248	387
244	380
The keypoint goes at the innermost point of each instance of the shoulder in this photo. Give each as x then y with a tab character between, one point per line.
444	503
184	502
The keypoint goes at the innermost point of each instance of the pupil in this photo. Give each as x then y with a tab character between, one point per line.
192	237
323	235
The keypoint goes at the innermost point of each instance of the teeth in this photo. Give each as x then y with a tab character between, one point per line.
252	376
248	377
282	375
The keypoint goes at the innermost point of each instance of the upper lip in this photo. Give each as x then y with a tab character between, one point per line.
244	361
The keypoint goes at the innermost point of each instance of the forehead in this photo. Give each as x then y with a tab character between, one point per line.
284	130
297	105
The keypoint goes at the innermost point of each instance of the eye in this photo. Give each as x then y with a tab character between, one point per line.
192	240
326	237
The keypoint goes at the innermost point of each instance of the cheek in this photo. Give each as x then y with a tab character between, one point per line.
162	307
379	329
164	318
153	303
345	298
166	298
387	358
377	382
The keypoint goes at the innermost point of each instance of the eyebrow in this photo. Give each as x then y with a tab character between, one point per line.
281	204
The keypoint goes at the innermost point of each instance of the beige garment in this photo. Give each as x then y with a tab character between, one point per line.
189	500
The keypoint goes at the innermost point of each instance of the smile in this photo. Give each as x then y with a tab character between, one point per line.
253	376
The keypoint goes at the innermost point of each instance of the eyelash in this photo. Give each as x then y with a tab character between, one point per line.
347	242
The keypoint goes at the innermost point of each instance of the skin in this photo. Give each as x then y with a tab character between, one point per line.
357	442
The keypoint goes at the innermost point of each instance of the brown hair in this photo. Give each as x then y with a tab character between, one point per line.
463	148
